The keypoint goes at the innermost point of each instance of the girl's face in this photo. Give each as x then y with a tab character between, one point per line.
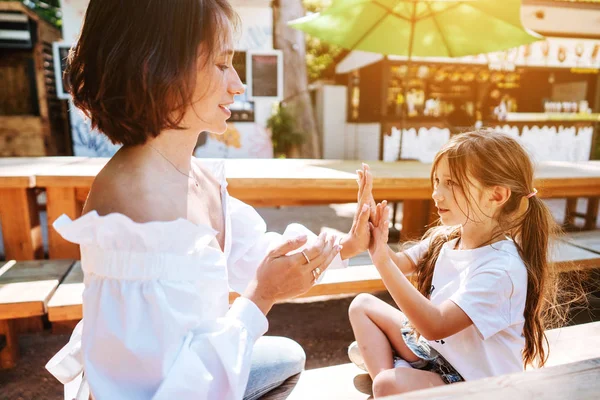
217	82
453	203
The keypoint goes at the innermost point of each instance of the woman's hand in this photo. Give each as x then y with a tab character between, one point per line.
281	276
378	248
357	240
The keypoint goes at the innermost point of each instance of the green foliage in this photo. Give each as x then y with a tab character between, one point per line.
284	135
49	10
319	54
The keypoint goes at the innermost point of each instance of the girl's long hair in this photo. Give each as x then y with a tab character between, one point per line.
496	159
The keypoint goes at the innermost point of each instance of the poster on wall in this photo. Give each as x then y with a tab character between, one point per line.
264	71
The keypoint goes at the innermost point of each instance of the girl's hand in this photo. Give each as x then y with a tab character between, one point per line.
357	240
378	248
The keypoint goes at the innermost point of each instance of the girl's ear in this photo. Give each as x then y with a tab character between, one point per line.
500	195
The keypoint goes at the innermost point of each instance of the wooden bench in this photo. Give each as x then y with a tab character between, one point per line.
579	344
64	308
589	241
25	288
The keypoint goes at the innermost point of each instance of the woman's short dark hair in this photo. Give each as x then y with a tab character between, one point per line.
133	70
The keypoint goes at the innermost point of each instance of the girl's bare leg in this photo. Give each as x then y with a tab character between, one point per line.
402	380
377	329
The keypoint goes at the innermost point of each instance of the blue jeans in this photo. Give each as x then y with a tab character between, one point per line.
274	359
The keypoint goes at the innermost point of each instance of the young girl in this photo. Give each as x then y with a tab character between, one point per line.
482	276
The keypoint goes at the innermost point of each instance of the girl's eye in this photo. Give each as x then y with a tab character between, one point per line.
223	67
450	182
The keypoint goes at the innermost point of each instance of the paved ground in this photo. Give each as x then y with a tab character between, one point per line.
321	327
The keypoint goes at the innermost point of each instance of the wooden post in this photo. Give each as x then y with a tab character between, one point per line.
10	353
21	228
416	216
591	216
570	212
61	200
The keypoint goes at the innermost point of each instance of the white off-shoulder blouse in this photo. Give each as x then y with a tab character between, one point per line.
156	317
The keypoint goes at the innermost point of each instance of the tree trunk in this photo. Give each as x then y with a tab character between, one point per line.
295	86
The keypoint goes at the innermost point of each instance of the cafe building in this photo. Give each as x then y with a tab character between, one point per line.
546	93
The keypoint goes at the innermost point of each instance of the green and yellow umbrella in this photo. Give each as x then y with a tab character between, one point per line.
422	28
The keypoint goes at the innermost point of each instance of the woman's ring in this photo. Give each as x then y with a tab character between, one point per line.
305	256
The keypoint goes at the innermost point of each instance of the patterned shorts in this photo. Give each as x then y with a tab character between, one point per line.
430	359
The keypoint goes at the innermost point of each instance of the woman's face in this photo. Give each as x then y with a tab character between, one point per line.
217	82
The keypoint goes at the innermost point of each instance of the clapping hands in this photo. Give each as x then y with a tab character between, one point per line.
357	240
374	234
378	249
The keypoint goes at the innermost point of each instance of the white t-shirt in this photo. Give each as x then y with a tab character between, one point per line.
490	285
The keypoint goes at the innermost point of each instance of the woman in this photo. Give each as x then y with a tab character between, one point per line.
161	240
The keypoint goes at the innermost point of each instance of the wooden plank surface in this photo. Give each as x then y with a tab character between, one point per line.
298	181
569	257
276	182
586	240
348	382
65	304
26	287
566	345
19	172
575	381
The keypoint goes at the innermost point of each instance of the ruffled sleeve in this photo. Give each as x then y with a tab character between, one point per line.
251	242
117	232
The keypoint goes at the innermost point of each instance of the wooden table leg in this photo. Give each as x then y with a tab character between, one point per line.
570	212
591	215
59	201
21	228
10	353
416	216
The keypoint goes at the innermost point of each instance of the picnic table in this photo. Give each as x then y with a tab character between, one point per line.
19	216
280	182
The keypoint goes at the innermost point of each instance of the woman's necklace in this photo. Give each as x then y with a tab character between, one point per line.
190	176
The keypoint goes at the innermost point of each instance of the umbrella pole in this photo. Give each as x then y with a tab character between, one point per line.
411	39
404	108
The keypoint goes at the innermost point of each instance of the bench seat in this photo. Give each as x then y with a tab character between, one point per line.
25	289
65	305
567	345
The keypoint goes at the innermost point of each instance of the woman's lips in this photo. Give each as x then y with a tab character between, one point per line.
225	110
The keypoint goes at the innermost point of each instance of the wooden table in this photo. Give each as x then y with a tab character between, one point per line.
274	182
18	207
